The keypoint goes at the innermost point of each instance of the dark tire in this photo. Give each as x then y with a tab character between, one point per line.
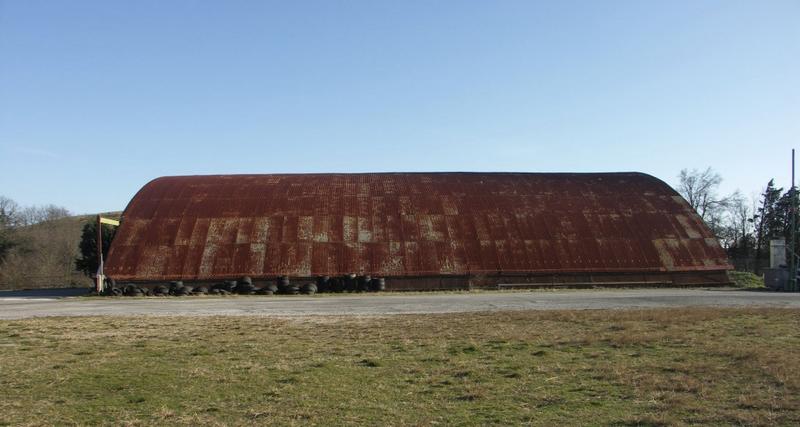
283	284
323	283
246	279
117	292
174	286
335	285
309	289
270	287
378	284
245	288
202	290
350	283
264	291
363	283
230	285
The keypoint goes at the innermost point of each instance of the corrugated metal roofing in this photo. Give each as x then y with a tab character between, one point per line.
408	224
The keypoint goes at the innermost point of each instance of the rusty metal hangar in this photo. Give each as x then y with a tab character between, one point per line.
417	230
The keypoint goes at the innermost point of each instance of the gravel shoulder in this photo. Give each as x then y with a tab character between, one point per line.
18	307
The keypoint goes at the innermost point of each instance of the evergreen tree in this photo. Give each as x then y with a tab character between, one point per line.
768	219
87	262
785	212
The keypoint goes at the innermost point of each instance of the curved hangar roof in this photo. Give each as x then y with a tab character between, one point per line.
408	224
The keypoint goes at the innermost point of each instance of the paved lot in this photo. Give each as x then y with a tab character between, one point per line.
21	306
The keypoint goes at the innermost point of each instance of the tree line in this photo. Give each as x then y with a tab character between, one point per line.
37	246
743	227
46	246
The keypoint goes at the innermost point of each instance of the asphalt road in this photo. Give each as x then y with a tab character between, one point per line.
17	306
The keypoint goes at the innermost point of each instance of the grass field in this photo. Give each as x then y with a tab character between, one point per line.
648	367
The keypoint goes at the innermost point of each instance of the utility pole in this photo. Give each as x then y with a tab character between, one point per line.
792	235
100	279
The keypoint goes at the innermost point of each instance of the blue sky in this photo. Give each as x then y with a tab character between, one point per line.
97	98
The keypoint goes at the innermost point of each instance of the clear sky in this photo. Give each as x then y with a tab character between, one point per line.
97	98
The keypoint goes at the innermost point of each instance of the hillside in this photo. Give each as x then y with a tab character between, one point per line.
46	255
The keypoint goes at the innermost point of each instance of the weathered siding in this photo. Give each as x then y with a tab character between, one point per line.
408	224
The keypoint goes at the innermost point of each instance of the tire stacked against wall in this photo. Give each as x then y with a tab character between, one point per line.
245	286
412	231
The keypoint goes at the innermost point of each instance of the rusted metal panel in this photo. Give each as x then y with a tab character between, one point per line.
409	224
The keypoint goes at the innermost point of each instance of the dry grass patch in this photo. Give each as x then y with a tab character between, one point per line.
633	367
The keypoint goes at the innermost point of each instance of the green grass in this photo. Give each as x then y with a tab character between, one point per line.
744	279
636	367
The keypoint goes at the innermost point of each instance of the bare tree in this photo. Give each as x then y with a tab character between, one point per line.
735	225
38	214
741	216
36	249
700	190
9	212
9	218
